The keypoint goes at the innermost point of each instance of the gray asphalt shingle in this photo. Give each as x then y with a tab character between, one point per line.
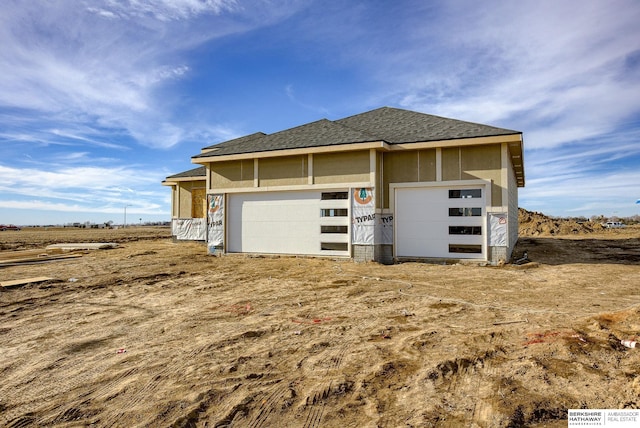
391	125
195	172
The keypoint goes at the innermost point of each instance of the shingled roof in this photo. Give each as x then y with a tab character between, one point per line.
385	124
396	126
315	134
192	173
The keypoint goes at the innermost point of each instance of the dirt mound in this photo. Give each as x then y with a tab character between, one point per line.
533	223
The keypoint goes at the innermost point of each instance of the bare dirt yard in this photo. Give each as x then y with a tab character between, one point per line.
158	333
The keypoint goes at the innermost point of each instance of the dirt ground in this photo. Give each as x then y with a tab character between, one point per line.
157	333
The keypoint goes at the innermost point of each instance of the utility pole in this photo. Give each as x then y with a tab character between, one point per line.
125	216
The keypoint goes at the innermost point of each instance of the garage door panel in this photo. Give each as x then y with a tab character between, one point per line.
416	248
440	222
281	223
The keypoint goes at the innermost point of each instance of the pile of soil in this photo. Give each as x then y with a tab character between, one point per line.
533	223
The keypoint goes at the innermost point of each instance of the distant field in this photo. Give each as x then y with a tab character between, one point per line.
36	237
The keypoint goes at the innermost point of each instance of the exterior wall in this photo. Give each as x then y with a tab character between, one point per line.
283	171
346	167
483	162
189	200
231	174
174	201
379	184
325	169
363	253
329	170
498	253
198	202
406	167
427	165
184	200
512	211
373	253
468	163
451	164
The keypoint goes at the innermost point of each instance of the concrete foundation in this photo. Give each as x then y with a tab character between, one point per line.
373	253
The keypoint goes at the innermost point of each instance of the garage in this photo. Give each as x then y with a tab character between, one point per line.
305	223
440	222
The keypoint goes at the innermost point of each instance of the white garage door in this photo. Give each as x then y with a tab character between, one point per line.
440	222
310	223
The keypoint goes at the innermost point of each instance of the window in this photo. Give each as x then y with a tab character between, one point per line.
334	246
328	196
465	230
465	249
465	212
334	229
333	212
465	193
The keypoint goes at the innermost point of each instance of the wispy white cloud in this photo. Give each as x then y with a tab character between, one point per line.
163	10
89	177
90	187
112	63
560	68
43	205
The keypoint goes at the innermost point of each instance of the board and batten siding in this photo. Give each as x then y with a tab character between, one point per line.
299	170
345	167
475	162
231	174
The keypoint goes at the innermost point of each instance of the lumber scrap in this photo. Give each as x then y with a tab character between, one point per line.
82	246
42	258
24	281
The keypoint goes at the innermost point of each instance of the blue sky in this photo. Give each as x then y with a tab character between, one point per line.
100	100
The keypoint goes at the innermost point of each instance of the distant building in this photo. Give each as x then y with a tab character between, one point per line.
388	184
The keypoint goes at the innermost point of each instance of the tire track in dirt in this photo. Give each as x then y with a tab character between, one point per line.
267	406
316	407
325	367
465	377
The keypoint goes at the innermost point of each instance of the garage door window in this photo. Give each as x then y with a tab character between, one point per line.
334	212
465	193
334	229
328	196
465	230
465	212
334	246
465	249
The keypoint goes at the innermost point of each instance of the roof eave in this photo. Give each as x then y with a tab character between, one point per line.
378	145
